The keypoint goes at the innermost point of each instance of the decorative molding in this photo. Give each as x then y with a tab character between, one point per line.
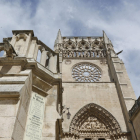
70	136
81	48
39	91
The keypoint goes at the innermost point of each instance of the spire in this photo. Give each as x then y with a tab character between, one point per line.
59	37
106	39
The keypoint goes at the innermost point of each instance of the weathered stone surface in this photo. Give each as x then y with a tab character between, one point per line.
136	123
10	69
7	126
18	131
22	116
8	107
11	79
48	129
11	88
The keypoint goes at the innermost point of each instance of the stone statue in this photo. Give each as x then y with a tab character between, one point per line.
8	48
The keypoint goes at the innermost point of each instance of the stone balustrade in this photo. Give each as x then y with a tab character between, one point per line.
27	45
48	57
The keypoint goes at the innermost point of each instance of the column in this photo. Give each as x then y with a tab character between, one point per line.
32	49
43	57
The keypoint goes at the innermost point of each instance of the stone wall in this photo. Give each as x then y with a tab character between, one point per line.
136	123
14	101
135	118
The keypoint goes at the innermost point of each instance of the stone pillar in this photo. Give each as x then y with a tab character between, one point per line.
43	57
32	49
36	51
27	45
53	63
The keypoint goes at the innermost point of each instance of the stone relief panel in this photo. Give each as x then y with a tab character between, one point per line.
94	122
86	72
92	127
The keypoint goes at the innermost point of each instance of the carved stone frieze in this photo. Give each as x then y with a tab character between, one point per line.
78	48
70	136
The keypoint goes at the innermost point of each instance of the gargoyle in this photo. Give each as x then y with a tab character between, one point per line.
8	48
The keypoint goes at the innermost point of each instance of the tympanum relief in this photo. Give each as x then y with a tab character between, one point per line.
92	127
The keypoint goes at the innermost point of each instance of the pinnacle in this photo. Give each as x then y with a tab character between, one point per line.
59	37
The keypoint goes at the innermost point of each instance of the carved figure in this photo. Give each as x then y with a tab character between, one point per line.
8	48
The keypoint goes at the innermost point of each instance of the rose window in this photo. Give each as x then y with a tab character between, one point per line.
86	72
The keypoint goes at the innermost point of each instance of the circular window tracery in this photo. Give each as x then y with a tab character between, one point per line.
86	72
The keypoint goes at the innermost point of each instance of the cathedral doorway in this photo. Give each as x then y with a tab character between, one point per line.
92	122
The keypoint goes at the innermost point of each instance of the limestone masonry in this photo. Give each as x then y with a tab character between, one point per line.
79	91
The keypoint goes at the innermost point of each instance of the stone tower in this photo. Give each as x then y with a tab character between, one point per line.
79	91
96	89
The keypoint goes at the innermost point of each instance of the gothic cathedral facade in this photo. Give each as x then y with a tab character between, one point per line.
79	91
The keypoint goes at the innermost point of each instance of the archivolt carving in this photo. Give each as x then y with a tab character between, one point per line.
94	121
86	72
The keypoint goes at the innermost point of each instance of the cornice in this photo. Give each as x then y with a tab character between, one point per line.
15	32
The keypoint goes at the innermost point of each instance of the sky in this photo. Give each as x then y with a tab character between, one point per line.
120	19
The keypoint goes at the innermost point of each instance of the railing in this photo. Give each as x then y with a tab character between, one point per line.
135	107
46	56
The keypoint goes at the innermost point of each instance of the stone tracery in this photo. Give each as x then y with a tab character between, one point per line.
86	72
78	48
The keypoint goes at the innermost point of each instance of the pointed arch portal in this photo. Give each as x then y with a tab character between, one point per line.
94	121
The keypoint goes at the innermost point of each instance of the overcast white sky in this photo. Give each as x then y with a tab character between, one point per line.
119	18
